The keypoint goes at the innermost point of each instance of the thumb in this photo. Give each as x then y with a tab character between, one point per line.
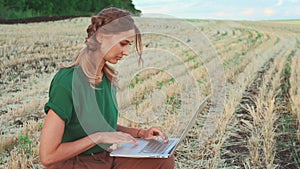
153	137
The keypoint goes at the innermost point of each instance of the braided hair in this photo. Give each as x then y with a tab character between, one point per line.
108	21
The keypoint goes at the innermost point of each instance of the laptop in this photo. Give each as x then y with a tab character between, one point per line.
155	148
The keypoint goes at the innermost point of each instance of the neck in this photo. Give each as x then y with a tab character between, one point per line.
101	65
100	68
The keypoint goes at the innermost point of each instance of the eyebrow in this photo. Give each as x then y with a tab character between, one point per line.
127	41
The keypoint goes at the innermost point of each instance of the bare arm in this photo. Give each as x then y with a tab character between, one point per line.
52	150
134	132
151	133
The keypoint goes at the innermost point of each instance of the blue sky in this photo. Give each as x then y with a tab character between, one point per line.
222	9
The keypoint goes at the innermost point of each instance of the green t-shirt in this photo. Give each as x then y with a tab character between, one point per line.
84	109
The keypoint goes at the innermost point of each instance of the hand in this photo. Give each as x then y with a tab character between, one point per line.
114	138
154	133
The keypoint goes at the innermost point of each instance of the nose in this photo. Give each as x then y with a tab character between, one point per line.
125	50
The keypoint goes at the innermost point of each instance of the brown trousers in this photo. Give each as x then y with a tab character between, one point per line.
104	161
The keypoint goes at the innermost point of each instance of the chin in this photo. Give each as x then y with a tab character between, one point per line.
113	61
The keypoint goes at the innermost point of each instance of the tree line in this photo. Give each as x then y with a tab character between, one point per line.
12	9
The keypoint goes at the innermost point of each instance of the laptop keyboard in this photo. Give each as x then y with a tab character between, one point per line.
156	147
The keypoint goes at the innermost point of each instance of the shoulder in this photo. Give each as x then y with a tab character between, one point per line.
60	94
63	77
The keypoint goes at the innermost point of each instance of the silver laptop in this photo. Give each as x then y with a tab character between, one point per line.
155	148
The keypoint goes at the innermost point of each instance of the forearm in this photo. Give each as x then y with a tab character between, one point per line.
52	150
152	133
134	132
68	150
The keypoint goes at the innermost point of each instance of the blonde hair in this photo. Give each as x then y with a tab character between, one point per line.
107	21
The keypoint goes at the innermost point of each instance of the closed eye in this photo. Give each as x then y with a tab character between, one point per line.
125	42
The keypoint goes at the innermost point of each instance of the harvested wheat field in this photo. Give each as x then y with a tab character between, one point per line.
252	69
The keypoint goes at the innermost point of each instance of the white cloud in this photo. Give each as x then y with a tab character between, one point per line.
172	8
269	11
162	10
280	2
297	11
248	12
287	13
255	9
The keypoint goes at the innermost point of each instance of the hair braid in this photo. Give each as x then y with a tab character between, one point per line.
105	17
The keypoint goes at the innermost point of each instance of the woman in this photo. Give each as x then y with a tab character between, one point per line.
76	134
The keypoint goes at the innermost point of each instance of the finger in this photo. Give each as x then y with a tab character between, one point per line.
126	138
158	132
131	139
155	131
165	138
135	142
152	138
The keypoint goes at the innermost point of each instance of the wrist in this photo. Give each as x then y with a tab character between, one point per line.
96	137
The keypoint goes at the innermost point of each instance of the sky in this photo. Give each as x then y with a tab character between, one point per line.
222	9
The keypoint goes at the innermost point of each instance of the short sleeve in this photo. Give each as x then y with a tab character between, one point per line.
60	101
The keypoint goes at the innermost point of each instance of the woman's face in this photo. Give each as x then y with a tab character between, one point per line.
115	46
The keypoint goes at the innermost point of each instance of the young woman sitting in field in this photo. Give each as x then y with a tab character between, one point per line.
76	133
